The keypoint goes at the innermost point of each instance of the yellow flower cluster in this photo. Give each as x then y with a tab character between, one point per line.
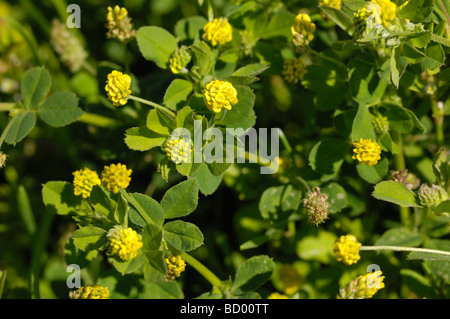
383	12
346	249
124	242
116	176
90	292
83	182
119	24
293	70
175	266
177	150
118	87
277	295
3	158
337	4
220	94
363	287
218	31
303	30
366	152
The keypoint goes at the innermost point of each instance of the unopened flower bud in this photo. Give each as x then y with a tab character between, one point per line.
409	180
431	196
179	59
380	124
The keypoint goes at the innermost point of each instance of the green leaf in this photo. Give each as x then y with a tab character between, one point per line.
280	25
156	261
395	193
19	127
89	238
143	204
159	122
373	174
182	235
25	210
161	290
365	85
177	94
417	10
400	119
317	247
337	197
156	44
241	114
398	64
207	182
142	139
189	28
279	202
252	273
181	199
101	202
400	237
121	211
355	5
128	266
417	283
412	55
59	197
362	125
251	70
434	57
327	156
340	18
152	237
36	84
204	58
438	265
60	109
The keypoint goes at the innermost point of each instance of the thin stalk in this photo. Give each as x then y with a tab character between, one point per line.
155	105
438	114
445	12
98	120
205	272
409	249
136	205
6	107
324	57
285	142
400	165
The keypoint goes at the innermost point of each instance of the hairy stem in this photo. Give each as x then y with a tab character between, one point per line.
400	248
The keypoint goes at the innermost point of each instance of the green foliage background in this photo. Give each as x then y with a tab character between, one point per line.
245	220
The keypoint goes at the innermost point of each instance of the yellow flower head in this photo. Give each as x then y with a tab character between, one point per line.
90	292
293	70
177	150
119	24
366	152
346	249
277	295
363	287
83	182
387	11
303	30
220	94
124	242
118	87
218	31
179	59
337	4
175	266
116	176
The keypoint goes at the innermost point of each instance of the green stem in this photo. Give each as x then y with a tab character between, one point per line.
324	57
445	12
5	131
438	114
285	142
155	105
6	107
409	249
205	272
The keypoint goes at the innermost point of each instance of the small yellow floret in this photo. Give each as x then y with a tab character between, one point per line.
175	266
277	295
337	4
293	70
303	30
90	292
